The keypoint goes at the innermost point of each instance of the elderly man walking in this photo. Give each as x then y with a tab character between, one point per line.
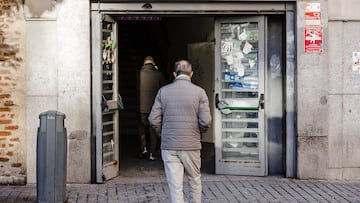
179	115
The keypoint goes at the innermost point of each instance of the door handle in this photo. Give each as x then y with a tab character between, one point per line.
261	101
217	101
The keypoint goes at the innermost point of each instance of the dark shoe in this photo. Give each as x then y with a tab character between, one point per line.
144	155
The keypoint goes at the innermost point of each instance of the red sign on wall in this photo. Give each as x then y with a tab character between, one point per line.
312	18
312	14
313	39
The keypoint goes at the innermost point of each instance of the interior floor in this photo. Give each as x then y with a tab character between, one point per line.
131	165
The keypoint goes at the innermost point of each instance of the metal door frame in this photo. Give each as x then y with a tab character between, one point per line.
96	87
288	8
97	135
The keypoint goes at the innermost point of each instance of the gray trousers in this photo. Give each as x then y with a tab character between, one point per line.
174	163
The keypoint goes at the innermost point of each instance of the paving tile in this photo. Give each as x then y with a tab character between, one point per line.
225	189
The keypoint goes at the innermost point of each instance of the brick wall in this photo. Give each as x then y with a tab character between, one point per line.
12	93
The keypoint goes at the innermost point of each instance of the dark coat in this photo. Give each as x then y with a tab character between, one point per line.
149	82
180	114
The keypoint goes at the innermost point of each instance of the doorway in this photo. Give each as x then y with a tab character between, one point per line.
167	39
170	36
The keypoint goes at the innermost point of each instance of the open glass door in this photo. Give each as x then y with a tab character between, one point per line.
109	94
239	95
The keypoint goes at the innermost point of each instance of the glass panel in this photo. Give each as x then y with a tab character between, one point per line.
240	114
239	56
239	91
237	94
107	86
107	67
108	158
107	138
108	117
239	125
108	96
234	151
107	75
107	128
107	25
108	148
106	35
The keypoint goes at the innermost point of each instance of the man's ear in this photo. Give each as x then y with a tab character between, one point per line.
191	74
174	74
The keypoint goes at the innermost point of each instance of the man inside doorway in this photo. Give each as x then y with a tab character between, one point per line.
150	80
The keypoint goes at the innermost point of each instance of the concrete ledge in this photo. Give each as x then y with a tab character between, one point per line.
312	157
351	173
78	159
13	180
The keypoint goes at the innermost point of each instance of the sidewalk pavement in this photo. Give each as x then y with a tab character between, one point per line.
216	189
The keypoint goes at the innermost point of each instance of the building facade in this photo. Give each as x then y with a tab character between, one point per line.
307	57
12	93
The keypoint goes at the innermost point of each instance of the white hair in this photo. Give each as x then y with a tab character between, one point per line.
183	67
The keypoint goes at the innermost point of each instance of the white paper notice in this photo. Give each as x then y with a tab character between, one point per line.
241	70
230	60
252	63
243	35
247	48
312	14
356	62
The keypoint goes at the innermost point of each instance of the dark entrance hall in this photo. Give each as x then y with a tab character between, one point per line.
137	38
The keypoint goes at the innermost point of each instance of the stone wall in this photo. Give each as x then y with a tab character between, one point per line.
12	93
58	78
312	105
328	95
344	90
